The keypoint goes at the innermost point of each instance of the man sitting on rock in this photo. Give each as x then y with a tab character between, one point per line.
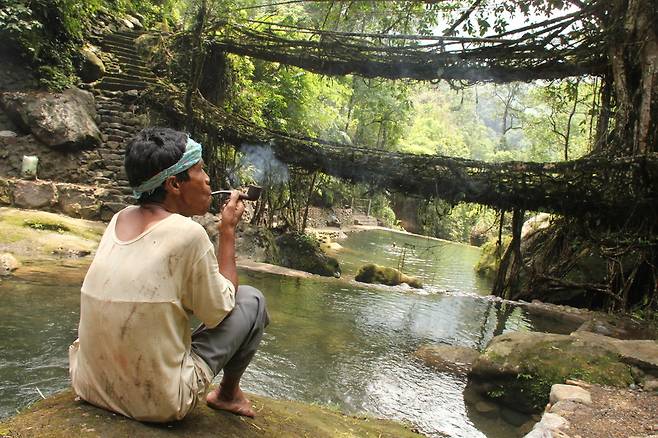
136	354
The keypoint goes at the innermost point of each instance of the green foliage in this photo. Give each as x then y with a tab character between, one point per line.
458	223
17	24
380	207
46	226
445	123
562	115
290	99
332	192
378	112
48	33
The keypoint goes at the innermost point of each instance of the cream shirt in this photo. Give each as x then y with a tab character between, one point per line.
133	354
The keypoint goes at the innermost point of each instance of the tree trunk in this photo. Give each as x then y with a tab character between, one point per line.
196	63
633	53
215	82
507	280
308	201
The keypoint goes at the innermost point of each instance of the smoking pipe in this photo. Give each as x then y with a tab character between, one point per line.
253	193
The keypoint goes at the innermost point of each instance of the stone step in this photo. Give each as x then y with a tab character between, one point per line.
134	60
132	33
120	132
138	70
112	85
125	62
129	77
120	52
120	39
111	45
126	119
362	219
121	36
108	106
106	112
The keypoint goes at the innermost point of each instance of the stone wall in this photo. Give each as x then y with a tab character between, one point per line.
88	183
95	176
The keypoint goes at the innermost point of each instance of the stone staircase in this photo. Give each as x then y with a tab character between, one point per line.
125	70
362	219
117	113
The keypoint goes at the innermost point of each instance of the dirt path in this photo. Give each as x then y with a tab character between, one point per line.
615	413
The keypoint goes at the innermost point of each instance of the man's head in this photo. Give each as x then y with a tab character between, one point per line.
165	165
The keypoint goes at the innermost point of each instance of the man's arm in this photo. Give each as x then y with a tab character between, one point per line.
230	216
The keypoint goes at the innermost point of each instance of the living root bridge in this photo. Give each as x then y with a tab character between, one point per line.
614	189
518	55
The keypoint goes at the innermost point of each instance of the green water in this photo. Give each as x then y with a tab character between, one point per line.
330	342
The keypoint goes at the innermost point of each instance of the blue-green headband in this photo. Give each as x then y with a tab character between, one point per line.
191	156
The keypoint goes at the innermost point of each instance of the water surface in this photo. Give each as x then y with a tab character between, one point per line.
331	342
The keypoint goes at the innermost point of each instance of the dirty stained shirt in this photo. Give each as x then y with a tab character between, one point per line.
133	353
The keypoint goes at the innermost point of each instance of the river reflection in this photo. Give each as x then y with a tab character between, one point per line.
330	341
352	347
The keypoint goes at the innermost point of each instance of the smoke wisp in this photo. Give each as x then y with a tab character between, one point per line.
259	162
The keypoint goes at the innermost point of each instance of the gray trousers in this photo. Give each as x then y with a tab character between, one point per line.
232	344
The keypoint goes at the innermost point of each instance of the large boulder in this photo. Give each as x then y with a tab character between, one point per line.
59	120
536	223
301	251
372	273
518	369
91	67
35	236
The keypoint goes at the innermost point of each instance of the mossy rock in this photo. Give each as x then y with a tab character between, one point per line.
61	416
39	234
490	256
518	369
372	273
301	251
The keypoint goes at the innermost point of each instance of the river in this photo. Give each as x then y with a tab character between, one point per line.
331	342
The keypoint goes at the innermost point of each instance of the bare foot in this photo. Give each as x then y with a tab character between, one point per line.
238	404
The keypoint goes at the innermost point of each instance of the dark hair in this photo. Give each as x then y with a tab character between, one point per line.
151	151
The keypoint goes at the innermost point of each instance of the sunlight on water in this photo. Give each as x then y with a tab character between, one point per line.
330	342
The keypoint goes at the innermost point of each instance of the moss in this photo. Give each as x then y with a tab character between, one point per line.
36	225
544	364
42	220
490	257
38	233
301	251
60	416
372	273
